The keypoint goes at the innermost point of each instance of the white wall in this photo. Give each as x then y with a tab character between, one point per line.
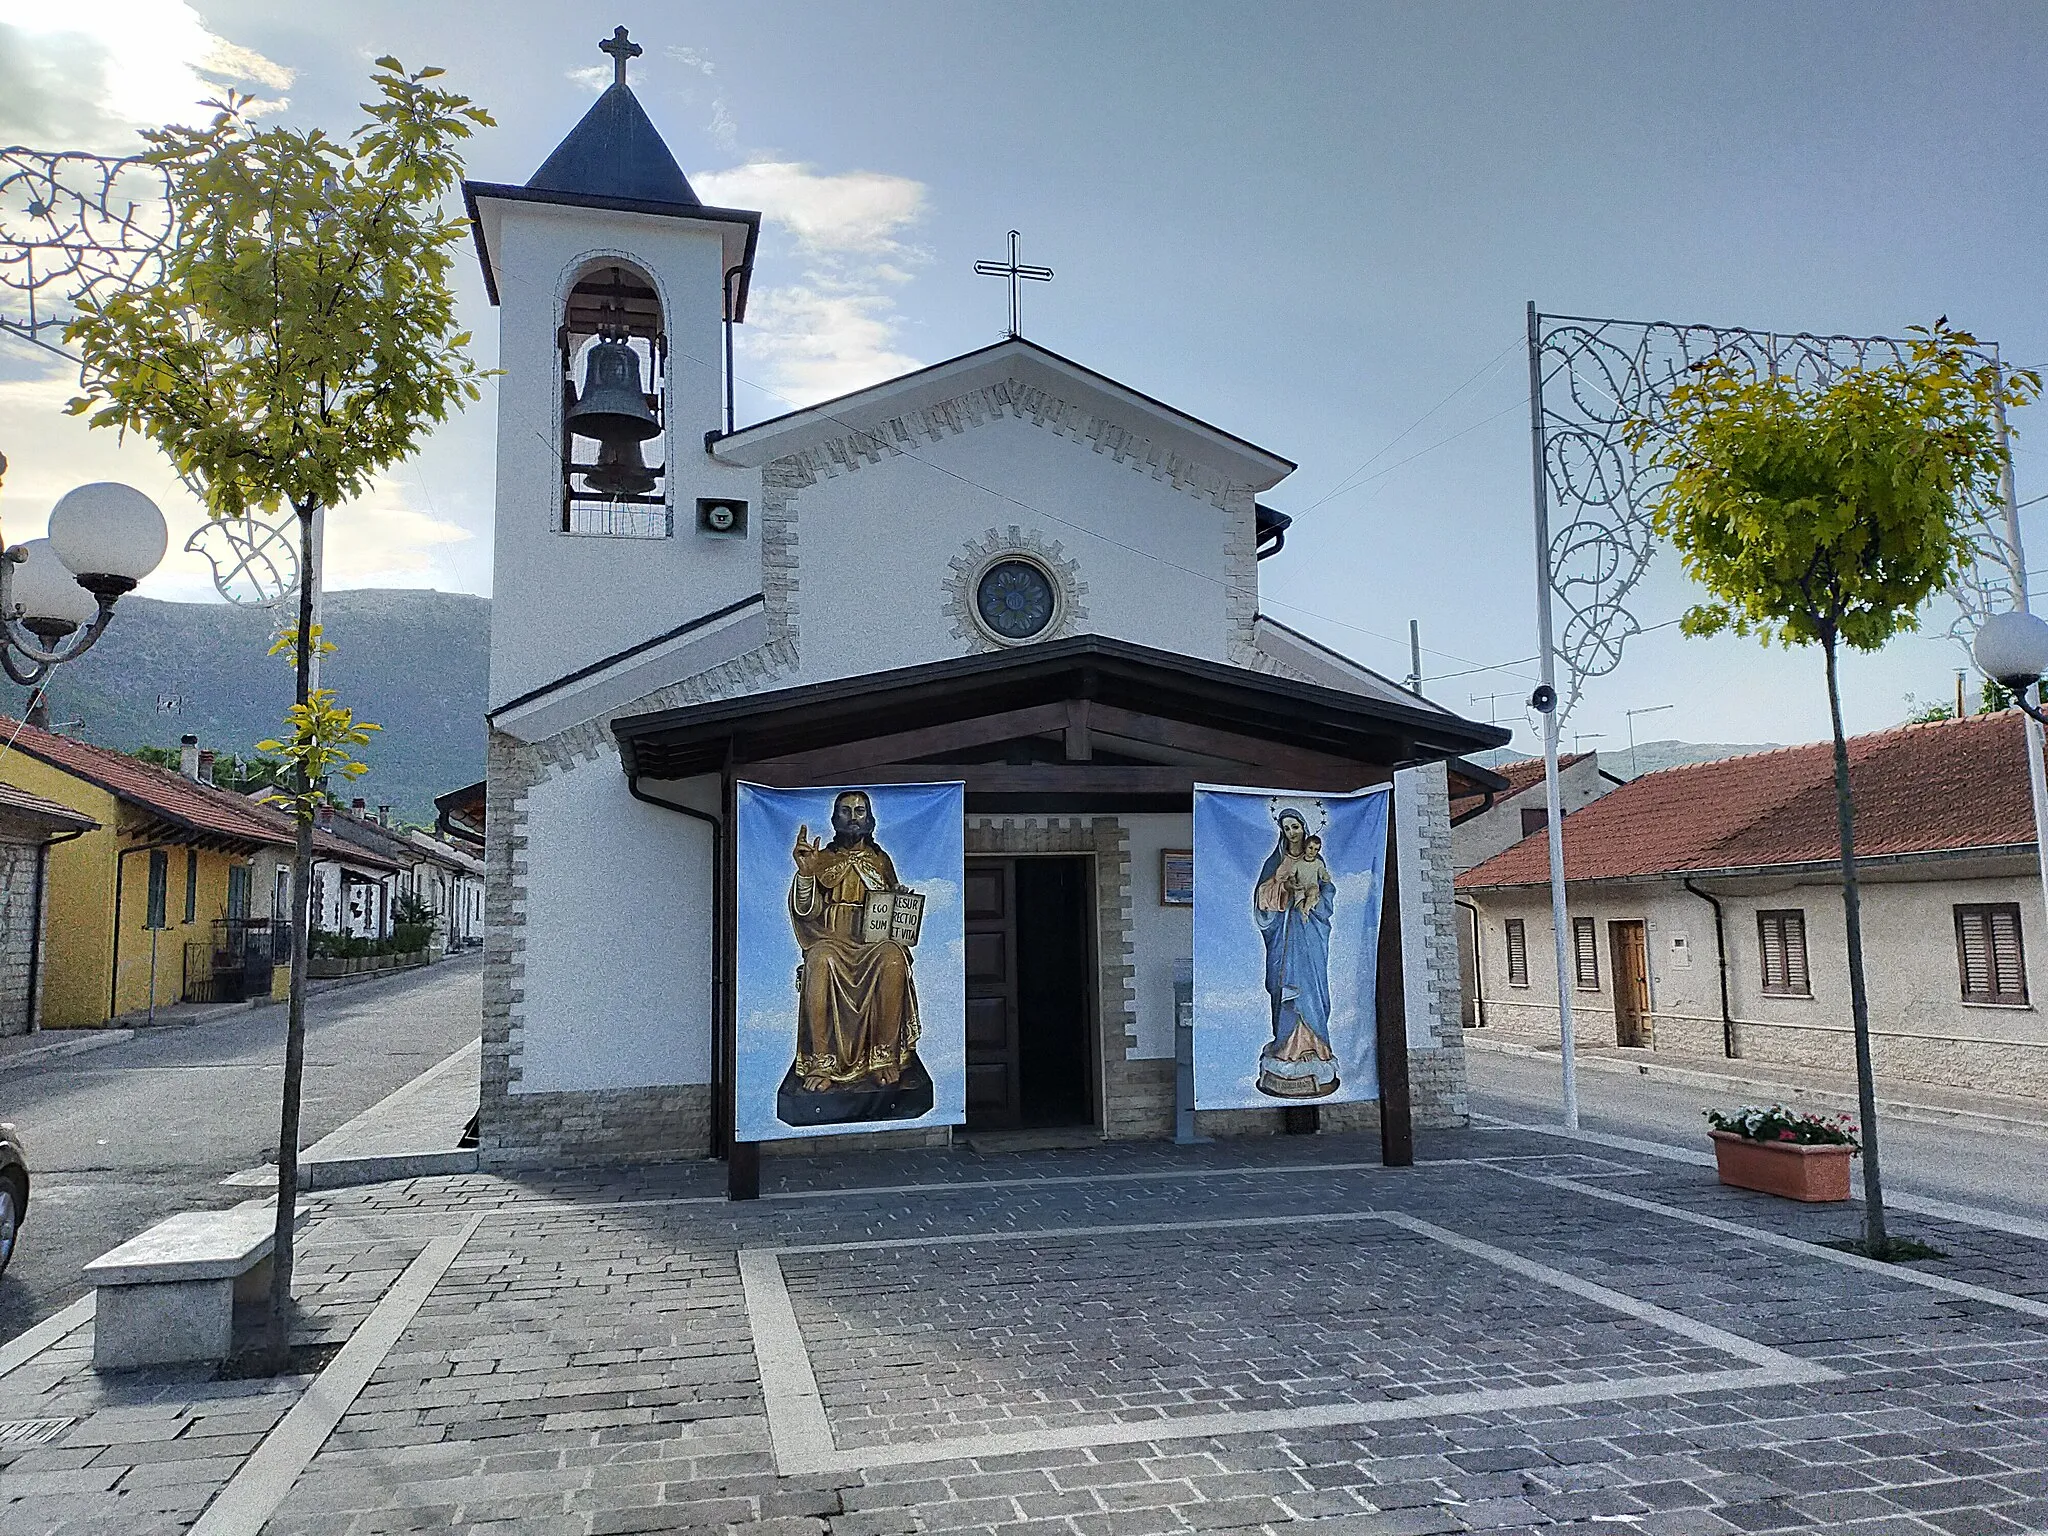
876	546
1922	1027
617	964
1160	935
561	601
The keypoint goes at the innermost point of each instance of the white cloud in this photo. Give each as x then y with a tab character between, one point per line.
592	77
85	77
380	541
834	327
855	212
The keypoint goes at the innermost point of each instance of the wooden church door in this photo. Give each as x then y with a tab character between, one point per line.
993	1081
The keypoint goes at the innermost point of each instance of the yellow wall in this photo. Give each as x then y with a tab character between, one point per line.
81	877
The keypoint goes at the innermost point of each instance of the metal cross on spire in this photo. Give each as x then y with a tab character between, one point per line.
621	48
1017	274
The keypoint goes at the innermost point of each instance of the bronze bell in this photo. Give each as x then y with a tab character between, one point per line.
619	471
612	408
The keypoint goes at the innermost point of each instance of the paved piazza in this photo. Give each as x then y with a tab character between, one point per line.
1521	1333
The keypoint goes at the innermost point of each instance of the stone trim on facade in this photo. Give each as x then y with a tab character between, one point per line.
783	478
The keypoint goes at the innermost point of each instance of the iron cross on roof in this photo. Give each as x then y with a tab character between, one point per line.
621	48
1017	274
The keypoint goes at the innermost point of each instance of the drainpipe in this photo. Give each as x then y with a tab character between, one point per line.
1478	968
1721	965
35	948
719	920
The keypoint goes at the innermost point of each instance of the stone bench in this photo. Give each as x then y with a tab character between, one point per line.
171	1295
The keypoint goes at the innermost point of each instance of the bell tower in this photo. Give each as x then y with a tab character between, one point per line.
614	284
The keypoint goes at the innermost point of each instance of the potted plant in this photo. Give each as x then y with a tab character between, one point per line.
1780	1151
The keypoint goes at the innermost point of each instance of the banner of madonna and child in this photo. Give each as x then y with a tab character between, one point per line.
1287	922
851	995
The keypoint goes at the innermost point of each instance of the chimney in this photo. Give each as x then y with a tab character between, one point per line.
206	757
358	806
383	815
188	756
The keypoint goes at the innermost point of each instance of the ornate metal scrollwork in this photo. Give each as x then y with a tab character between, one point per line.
73	225
1598	379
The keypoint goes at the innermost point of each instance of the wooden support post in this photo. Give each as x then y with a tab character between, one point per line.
743	1171
1397	1129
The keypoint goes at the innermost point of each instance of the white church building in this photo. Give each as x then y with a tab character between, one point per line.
1005	569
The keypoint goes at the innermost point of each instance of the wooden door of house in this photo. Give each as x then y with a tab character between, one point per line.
993	1081
1630	948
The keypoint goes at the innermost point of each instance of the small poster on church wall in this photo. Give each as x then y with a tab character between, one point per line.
1287	921
851	995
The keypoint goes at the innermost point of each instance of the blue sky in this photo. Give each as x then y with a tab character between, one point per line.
1315	225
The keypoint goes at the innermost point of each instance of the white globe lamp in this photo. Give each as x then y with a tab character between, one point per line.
2012	649
52	602
109	535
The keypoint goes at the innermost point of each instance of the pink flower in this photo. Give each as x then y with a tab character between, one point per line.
1786	1136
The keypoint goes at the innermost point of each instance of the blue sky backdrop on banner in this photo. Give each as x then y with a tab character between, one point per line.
1300	930
1314	224
919	827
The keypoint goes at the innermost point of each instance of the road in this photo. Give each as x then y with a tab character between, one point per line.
1948	1161
121	1136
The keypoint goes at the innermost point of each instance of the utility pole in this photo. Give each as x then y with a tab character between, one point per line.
1414	678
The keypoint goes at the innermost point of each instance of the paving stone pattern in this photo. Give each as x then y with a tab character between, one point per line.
938	1343
588	1364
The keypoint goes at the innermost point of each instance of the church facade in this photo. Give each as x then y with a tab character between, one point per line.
1005	571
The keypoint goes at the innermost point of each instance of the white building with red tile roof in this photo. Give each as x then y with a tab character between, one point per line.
1705	904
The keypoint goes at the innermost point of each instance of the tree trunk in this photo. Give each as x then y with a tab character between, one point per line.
1874	1240
277	1331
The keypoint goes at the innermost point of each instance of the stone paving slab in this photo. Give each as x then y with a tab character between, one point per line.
1517	1335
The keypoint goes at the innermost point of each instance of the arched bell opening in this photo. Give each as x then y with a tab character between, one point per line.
614	409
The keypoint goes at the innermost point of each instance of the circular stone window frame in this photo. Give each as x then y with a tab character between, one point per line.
983	555
1057	587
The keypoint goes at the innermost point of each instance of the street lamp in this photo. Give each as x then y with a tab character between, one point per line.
2012	650
58	593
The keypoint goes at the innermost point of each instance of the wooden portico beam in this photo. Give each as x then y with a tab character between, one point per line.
897	746
1054	778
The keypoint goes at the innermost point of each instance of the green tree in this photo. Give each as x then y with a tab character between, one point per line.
1918	712
1828	515
302	338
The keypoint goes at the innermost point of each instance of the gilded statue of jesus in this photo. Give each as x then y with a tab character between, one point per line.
857	1014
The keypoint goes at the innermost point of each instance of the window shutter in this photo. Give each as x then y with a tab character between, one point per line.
1973	935
2008	974
1586	953
1518	953
1796	978
1772	929
1991	954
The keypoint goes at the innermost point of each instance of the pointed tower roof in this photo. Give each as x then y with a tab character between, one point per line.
616	152
614	160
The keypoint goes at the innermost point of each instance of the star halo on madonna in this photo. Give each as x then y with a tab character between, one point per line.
851	996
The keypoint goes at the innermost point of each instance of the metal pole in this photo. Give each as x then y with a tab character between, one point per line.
2037	778
1415	657
1547	656
314	575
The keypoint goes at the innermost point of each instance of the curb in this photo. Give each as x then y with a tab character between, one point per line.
87	1040
1833	1098
348	1172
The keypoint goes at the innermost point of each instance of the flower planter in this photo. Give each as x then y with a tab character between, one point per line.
1785	1168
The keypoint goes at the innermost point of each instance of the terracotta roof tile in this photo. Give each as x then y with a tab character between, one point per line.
204	809
1949	785
37	808
1520	776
